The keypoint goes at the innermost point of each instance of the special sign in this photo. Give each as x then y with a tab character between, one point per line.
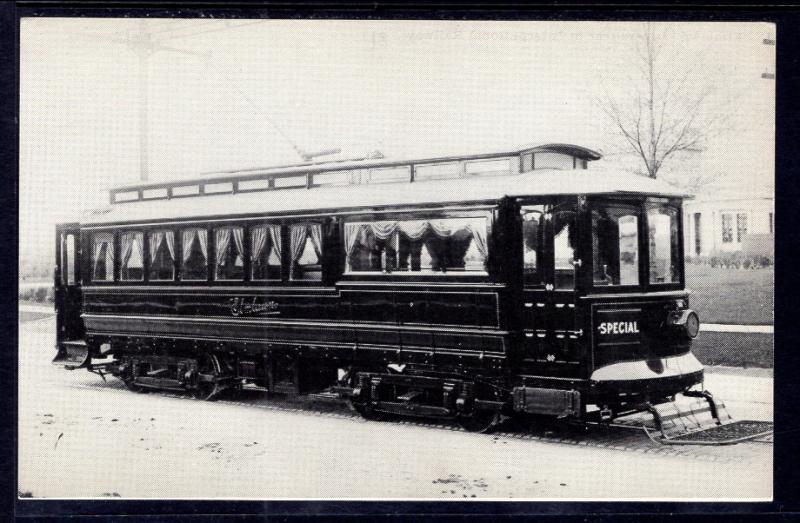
618	325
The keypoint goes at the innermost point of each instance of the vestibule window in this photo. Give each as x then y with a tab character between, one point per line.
162	255
103	257
615	245
549	241
663	244
305	244
195	254
229	244
265	258
132	266
417	246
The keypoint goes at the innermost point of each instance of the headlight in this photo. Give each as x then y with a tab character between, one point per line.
687	320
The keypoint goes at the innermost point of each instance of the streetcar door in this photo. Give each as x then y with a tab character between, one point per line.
550	233
68	297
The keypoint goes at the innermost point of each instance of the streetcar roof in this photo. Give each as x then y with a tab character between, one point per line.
541	182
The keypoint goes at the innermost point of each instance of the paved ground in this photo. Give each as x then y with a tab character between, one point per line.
81	437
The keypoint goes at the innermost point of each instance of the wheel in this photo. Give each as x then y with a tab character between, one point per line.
130	382
482	421
208	372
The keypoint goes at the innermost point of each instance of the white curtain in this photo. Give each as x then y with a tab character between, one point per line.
414	229
202	235
170	244
297	241
477	227
154	241
275	239
127	248
238	240
187	238
258	238
223	238
383	230
104	246
315	231
351	232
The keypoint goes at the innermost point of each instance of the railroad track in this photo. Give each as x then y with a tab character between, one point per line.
628	439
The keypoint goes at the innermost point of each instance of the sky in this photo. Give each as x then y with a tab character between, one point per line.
238	94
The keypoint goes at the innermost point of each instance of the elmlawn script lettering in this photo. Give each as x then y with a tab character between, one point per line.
240	308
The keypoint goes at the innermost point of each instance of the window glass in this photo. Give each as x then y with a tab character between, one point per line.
663	244
305	247
162	255
741	226
195	254
68	265
132	265
265	257
533	244
727	228
615	246
417	246
548	233
103	257
229	250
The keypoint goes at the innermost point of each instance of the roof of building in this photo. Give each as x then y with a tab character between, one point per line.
353	197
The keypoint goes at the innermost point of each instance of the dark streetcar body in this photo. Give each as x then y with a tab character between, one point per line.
546	291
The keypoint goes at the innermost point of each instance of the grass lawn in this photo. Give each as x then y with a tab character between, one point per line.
32	316
732	296
734	349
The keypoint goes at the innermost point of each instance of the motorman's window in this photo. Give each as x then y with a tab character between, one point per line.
103	257
229	244
615	245
265	252
162	255
132	263
195	254
305	248
454	245
662	222
549	240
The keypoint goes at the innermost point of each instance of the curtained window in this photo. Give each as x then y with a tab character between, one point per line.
132	263
195	254
103	257
162	255
265	256
417	246
229	244
305	249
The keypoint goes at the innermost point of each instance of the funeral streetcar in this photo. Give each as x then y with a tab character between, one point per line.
470	288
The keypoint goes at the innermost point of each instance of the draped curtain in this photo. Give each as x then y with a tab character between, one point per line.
238	240
258	238
155	242
297	240
223	238
188	237
315	232
275	239
104	246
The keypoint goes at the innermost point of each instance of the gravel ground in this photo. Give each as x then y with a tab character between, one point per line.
81	438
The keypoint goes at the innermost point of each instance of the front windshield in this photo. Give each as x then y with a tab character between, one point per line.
664	242
615	245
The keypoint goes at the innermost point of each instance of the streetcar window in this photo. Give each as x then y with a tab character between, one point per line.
533	227
229	249
549	240
103	257
132	264
195	254
162	255
306	251
68	268
615	246
663	243
265	248
432	246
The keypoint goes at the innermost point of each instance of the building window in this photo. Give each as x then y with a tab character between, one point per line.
265	257
417	246
132	265
229	245
162	255
729	234
305	244
195	254
741	226
698	244
103	257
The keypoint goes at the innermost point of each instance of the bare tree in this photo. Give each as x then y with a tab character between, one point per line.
665	110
